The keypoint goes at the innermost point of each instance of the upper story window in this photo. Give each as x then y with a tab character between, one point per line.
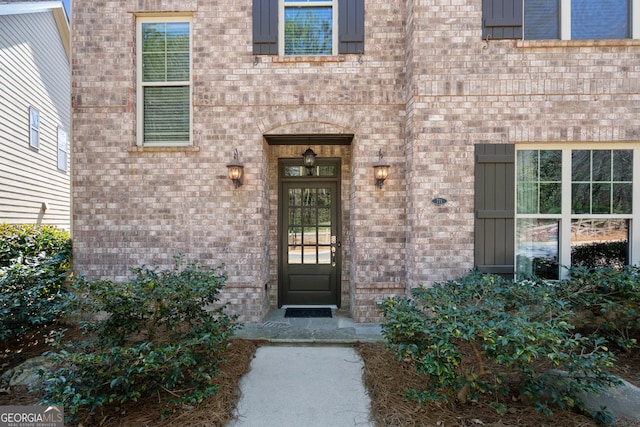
164	81
561	19
34	128
308	27
577	19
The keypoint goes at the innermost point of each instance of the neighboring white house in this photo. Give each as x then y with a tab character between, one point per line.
35	113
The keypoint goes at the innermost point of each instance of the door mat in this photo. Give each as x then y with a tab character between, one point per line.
308	312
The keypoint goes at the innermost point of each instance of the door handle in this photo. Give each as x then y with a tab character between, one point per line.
334	243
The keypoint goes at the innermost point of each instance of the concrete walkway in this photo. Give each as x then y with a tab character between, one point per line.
303	386
307	374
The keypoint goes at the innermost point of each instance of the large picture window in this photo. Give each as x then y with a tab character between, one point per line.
164	81
575	206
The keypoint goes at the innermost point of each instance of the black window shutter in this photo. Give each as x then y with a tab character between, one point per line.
265	27
495	207
502	19
351	26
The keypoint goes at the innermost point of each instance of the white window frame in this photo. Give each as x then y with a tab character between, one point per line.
565	217
63	149
141	85
34	128
565	19
305	3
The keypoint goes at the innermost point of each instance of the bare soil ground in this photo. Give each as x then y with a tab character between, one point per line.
385	378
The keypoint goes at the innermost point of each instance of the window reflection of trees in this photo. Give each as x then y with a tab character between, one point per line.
308	31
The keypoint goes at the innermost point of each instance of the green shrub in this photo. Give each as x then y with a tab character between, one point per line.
508	328
34	263
149	335
30	240
607	301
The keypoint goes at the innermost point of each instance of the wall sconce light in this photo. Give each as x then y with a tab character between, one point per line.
309	160
235	169
380	171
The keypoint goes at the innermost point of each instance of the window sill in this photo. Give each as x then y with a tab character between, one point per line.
163	149
307	58
577	43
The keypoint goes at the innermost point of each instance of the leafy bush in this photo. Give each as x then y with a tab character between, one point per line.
607	301
34	263
508	328
151	334
30	240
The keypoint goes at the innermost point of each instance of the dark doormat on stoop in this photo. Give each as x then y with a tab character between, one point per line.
308	312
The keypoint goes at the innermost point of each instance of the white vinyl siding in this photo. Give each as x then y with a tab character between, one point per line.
34	72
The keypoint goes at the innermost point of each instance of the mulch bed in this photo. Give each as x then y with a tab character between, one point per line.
213	412
385	378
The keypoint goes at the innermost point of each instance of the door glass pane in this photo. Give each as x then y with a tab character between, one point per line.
310	226
309	236
541	19
537	248
324	235
294	240
295	171
295	216
599	242
599	19
324	255
295	197
309	254
309	197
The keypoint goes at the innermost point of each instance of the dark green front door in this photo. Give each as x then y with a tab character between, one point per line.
309	248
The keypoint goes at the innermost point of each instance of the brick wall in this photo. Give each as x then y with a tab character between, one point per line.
463	91
426	89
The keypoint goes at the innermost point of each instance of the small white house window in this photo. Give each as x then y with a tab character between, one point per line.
164	81
34	128
63	149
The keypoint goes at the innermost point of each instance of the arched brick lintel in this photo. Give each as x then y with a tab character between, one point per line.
309	122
